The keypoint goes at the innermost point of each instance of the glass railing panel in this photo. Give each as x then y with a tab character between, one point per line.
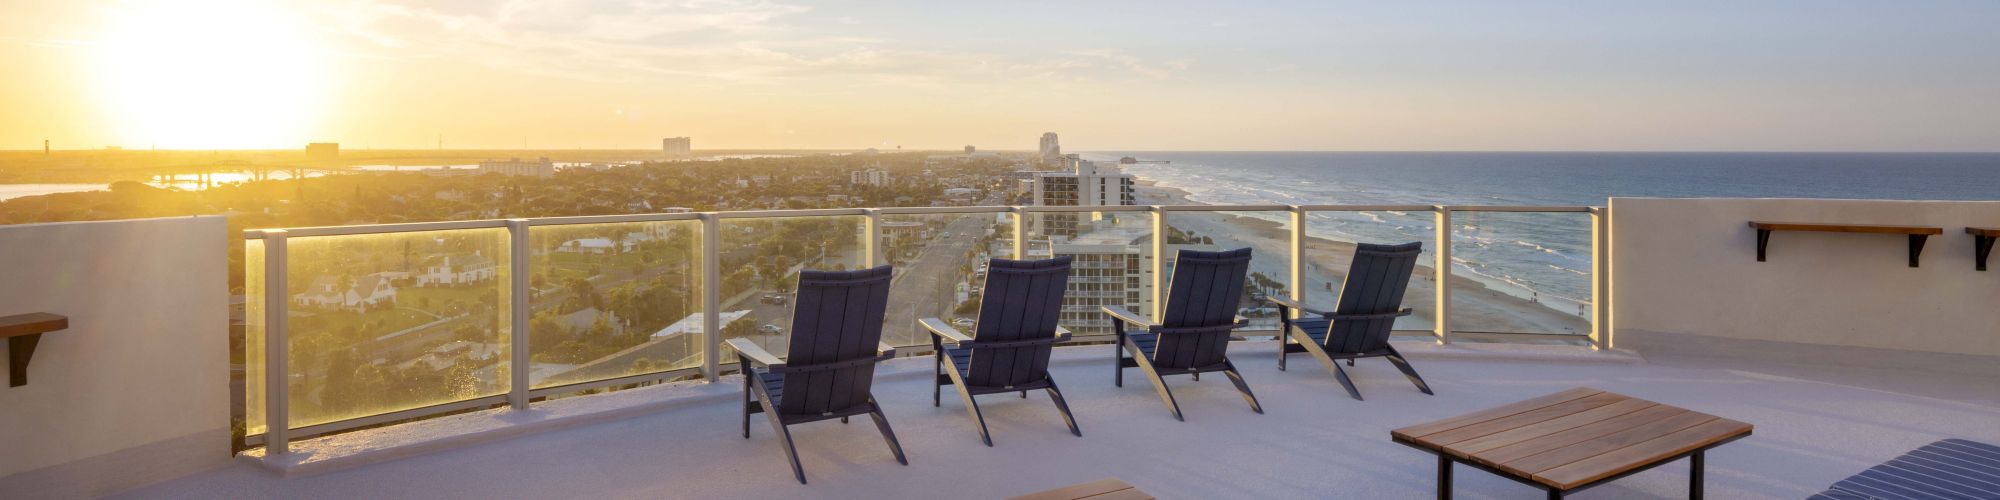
613	300
1521	272
379	323
940	264
760	261
1330	240
1268	236
254	330
1111	263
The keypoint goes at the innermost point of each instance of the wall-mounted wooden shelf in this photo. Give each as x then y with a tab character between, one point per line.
1917	234
1982	244
23	331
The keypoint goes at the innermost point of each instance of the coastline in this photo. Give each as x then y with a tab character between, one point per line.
1477	306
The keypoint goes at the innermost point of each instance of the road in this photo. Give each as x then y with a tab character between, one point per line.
929	284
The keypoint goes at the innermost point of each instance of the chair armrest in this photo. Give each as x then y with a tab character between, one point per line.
1405	312
884	350
939	328
755	353
1062	334
1126	315
1287	302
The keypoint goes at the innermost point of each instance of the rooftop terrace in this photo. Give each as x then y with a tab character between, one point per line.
1815	425
1843	349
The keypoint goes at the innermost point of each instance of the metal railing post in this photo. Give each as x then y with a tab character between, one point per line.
1442	275
1600	278
711	295
1299	261
871	239
1159	264
1020	231
517	309
277	390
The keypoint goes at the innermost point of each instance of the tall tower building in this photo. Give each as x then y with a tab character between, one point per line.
1051	150
677	146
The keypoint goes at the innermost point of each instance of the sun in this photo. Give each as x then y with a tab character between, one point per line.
209	74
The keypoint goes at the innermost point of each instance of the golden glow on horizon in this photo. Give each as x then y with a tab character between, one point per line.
199	74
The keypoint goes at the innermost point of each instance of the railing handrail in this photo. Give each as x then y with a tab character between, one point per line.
406	227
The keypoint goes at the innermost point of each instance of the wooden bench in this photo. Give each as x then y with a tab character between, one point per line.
1982	244
1917	234
1109	488
22	332
1572	440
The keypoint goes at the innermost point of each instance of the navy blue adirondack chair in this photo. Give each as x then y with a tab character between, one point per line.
1952	468
1011	341
1193	335
1371	298
835	344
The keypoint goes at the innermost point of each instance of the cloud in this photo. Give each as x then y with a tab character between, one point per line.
751	42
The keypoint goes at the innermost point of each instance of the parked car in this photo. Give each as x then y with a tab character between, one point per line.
962	322
769	328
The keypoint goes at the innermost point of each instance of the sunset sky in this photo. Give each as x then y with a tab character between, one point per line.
1677	75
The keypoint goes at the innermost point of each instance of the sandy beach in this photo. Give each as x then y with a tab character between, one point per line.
1476	306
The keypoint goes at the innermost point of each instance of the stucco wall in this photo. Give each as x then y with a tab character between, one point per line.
137	389
1685	274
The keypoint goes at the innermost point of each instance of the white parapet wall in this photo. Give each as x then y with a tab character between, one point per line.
136	390
1685	280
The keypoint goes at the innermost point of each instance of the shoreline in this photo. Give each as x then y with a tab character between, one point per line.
1477	306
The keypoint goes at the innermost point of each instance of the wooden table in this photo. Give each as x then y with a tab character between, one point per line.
1109	488
1572	440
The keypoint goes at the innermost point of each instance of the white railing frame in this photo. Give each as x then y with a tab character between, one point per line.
279	433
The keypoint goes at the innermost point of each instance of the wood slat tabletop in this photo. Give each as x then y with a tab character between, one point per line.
1572	438
1109	488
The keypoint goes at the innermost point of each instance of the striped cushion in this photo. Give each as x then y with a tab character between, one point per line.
1952	468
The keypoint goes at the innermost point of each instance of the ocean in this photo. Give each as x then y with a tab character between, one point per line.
1543	257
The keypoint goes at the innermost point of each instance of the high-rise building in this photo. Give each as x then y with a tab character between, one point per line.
677	146
868	177
1051	150
969	149
1084	184
518	167
323	150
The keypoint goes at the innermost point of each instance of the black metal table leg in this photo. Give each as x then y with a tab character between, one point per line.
1694	475
1444	478
1555	494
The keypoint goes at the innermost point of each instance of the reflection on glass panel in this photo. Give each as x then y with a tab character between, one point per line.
612	300
386	322
1111	263
254	330
761	259
940	268
1521	272
1268	236
1330	239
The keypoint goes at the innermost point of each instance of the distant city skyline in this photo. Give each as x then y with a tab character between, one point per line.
1782	75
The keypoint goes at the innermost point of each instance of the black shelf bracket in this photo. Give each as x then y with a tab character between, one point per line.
1982	245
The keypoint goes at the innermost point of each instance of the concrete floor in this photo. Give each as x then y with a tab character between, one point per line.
1815	425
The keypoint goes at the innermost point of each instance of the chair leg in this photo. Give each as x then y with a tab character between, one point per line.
1056	395
1341	375
744	369
882	423
1118	357
1024	394
937	372
1284	342
1160	385
785	438
1396	358
1197	376
1237	378
972	408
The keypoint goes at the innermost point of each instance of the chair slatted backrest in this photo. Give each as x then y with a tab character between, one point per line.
1206	291
838	317
1023	302
1374	285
